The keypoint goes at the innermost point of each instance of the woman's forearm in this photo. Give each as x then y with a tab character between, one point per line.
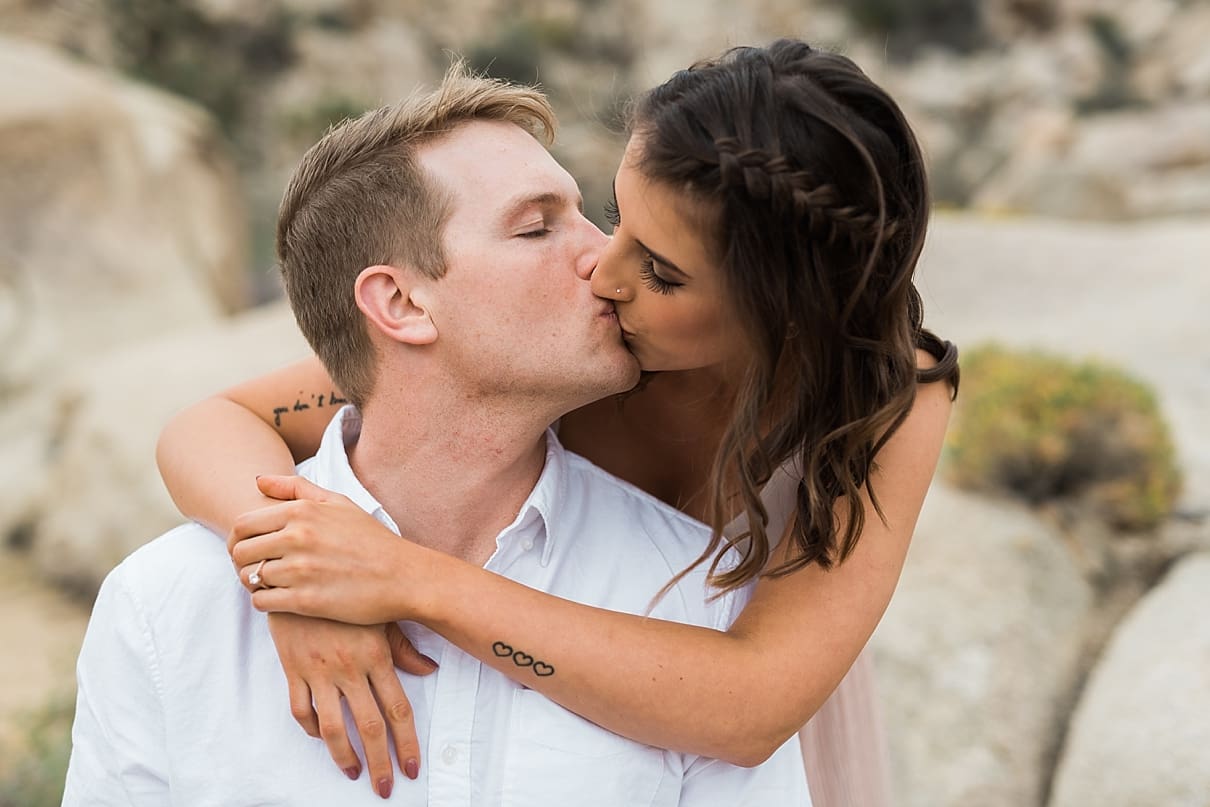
675	686
210	455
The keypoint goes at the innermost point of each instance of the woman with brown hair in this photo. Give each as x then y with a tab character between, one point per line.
769	212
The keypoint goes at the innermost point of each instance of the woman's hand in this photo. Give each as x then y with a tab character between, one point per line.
319	554
326	661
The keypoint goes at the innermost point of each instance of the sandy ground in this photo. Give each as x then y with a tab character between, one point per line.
40	634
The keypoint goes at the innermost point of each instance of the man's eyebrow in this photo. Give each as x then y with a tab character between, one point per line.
542	199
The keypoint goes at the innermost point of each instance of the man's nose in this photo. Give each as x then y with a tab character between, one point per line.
595	242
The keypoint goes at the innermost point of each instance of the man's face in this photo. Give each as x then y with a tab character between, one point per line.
515	313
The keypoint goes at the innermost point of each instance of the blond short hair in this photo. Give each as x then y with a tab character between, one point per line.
358	199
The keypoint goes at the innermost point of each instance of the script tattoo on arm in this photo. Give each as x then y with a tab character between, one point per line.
522	659
320	400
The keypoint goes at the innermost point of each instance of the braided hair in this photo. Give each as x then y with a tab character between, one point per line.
818	204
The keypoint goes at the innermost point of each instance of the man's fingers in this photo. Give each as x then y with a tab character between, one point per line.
405	655
372	727
292	487
331	722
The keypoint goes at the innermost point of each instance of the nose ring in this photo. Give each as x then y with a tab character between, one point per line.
617	291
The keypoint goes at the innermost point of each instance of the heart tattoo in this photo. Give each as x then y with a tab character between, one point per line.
522	659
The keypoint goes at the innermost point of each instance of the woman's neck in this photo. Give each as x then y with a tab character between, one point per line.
662	438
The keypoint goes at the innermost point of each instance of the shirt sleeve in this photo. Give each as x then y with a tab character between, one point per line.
119	749
781	780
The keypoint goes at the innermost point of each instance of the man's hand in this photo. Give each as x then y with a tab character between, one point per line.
326	661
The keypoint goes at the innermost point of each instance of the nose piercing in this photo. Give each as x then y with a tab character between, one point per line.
617	291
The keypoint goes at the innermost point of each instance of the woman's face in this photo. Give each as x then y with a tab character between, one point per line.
665	283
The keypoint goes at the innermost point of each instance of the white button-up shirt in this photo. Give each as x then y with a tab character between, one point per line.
182	699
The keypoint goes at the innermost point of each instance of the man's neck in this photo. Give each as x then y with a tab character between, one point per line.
451	473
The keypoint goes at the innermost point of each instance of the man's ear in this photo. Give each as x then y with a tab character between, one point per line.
393	300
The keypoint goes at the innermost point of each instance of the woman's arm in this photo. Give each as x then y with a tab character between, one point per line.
782	657
210	455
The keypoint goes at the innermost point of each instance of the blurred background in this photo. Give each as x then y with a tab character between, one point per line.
1047	645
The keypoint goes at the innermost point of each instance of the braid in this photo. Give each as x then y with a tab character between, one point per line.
774	178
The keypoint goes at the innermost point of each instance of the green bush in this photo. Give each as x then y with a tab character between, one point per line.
219	64
907	25
1049	430
32	769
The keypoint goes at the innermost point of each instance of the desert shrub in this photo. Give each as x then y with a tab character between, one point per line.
307	124
515	54
907	25
217	63
1049	429
35	765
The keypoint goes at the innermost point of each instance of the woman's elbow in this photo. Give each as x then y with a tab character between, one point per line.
749	752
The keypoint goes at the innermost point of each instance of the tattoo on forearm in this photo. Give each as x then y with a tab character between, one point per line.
521	659
332	399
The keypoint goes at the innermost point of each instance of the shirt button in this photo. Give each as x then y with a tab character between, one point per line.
449	755
527	544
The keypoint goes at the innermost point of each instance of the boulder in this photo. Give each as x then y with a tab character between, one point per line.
120	216
1129	164
1140	732
978	654
103	496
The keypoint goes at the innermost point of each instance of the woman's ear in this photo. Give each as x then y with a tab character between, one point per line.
392	299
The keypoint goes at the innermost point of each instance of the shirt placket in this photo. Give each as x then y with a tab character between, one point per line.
453	720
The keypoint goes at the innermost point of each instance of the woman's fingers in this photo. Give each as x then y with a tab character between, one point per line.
331	721
405	655
372	727
251	551
395	706
293	487
301	706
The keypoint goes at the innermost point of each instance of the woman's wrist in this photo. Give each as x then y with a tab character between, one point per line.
426	577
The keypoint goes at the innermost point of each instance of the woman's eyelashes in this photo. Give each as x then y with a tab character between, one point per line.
647	271
653	281
611	212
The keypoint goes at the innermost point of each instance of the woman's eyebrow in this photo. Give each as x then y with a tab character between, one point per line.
660	259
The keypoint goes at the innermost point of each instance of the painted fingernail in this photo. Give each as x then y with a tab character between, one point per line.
384	788
411	768
353	771
431	662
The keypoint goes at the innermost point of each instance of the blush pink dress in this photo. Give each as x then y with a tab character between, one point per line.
844	745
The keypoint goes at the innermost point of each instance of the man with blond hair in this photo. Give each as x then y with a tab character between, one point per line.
420	242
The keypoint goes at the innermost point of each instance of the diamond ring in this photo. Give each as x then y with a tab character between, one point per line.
255	578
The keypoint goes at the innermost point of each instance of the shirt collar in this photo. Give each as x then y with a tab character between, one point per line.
548	499
330	469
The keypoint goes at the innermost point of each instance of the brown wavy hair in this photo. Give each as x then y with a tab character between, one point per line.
818	205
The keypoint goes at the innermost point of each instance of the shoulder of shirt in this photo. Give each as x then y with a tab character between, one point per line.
642	501
674	537
187	557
